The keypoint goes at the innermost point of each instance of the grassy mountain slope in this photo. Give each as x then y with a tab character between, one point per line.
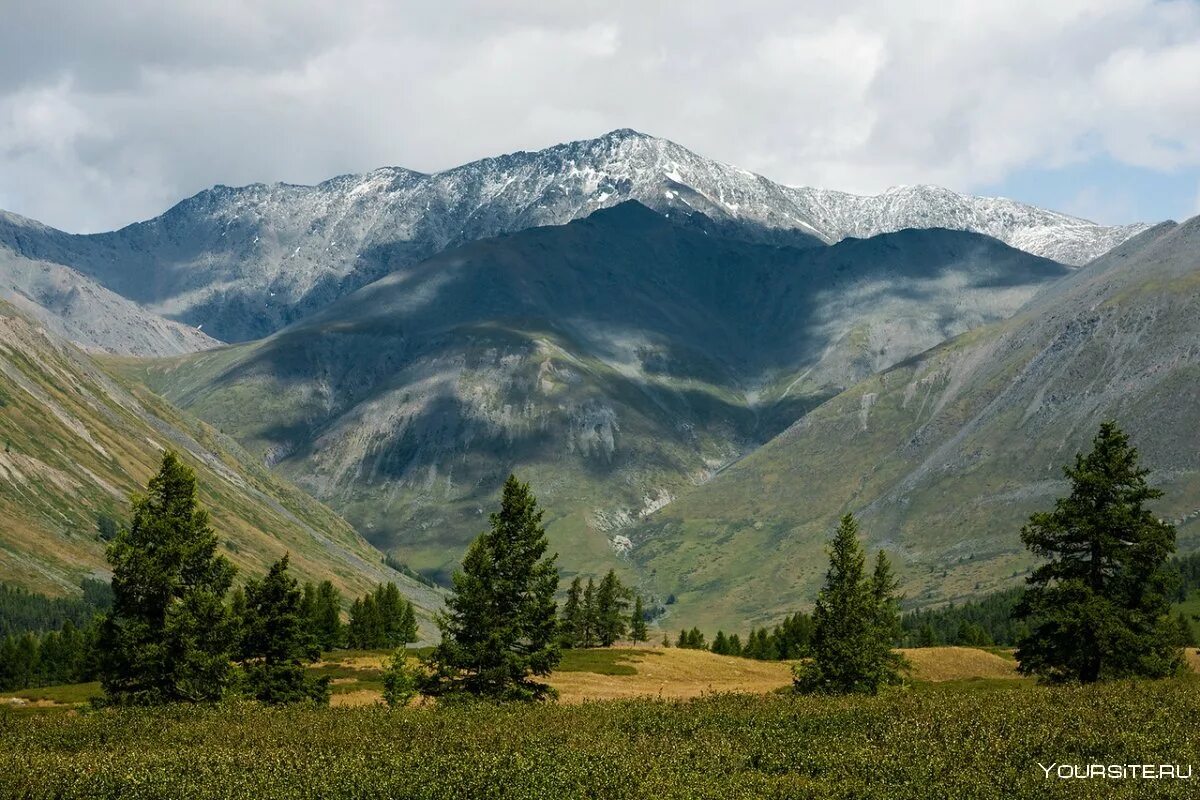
944	455
613	362
76	441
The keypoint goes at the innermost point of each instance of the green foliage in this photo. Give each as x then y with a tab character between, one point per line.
399	681
637	622
55	657
573	625
22	610
944	742
168	636
276	641
855	622
325	619
591	620
612	600
501	623
405	569
985	620
382	618
691	640
1099	607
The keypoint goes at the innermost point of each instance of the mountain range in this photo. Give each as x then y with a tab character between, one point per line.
698	369
612	361
944	455
241	263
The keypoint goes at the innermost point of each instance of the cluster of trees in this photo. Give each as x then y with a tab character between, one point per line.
1098	608
382	618
49	640
66	655
977	623
171	635
22	611
787	640
598	616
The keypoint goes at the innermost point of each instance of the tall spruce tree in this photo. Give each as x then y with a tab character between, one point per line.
571	626
1100	607
408	631
850	648
168	635
326	619
611	602
886	600
590	616
637	622
500	626
277	641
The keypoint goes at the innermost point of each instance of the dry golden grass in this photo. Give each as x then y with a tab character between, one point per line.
673	673
957	663
363	697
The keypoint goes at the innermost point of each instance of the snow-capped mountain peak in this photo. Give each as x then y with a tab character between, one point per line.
245	261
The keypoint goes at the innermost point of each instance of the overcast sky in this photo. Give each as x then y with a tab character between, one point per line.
112	110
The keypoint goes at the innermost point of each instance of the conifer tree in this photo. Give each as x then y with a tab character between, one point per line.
886	601
367	630
571	627
637	622
399	681
1187	638
277	641
850	649
408	632
168	634
1099	607
501	624
590	616
611	601
682	641
720	644
735	645
326	621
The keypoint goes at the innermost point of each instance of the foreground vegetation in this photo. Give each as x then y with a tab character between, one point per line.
942	741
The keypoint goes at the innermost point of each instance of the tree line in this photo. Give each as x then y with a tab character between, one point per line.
164	629
597	616
1097	608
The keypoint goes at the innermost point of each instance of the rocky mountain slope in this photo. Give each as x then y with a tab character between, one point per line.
944	455
613	362
244	262
77	440
82	311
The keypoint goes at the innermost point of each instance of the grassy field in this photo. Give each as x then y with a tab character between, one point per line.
356	676
945	740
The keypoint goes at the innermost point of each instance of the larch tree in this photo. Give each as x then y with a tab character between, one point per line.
1099	607
277	641
611	602
572	623
637	622
168	636
500	627
851	646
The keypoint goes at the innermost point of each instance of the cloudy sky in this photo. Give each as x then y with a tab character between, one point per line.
112	110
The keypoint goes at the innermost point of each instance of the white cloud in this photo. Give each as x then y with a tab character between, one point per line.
110	112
